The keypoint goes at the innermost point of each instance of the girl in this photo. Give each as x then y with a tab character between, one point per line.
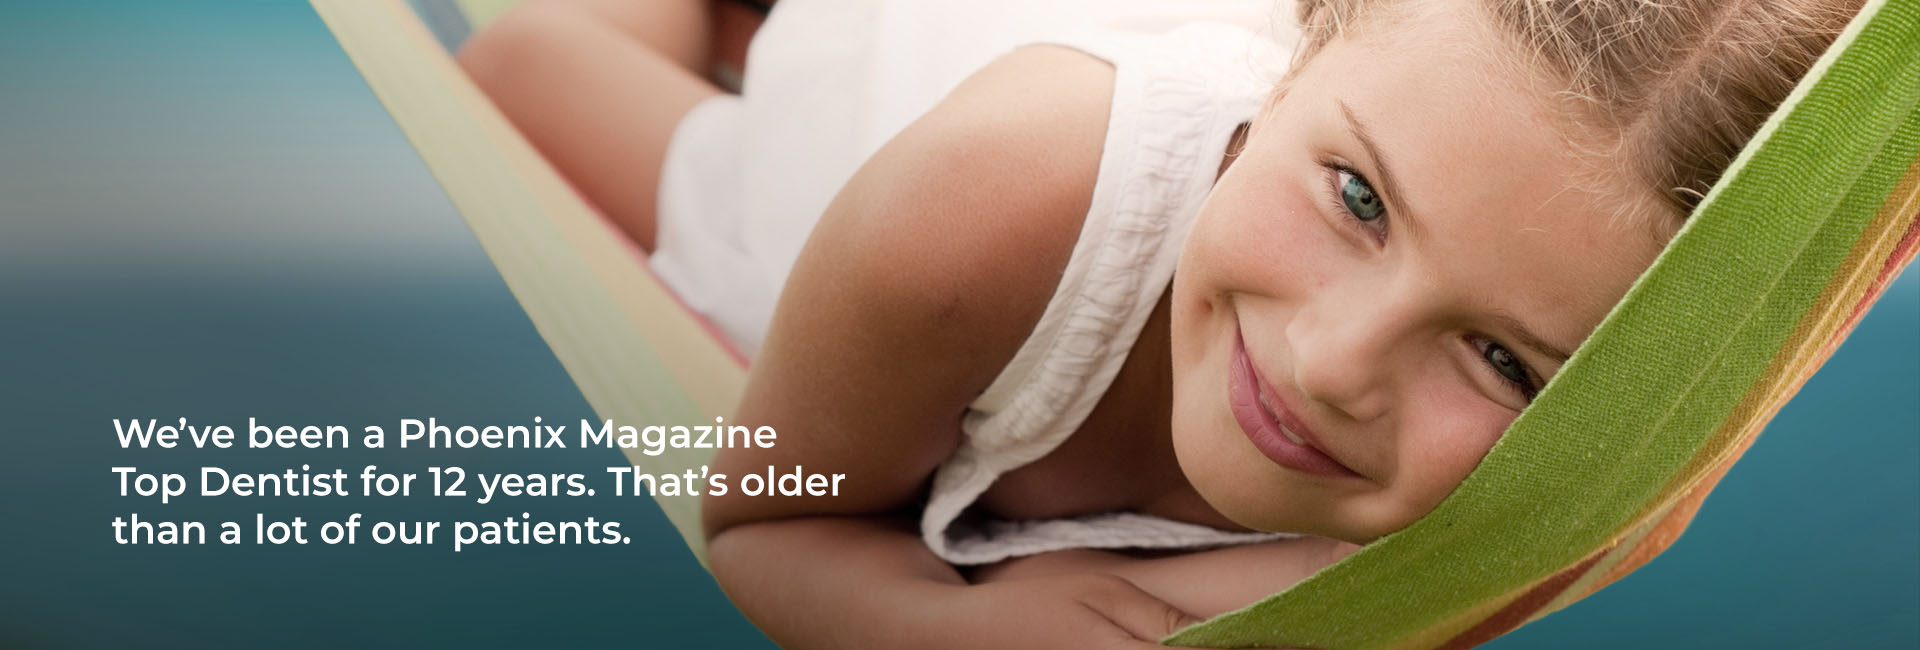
1090	275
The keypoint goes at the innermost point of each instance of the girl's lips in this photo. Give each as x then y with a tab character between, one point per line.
1261	415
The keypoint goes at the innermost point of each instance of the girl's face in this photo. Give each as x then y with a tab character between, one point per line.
1401	256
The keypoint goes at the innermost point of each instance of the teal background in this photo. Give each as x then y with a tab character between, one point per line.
204	212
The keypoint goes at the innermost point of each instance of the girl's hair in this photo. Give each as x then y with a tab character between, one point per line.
1682	84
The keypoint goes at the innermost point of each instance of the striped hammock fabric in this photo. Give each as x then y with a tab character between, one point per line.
1598	476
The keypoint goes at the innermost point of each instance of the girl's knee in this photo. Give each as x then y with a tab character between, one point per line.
506	52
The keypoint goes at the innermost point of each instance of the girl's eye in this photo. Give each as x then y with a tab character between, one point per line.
1509	367
1359	198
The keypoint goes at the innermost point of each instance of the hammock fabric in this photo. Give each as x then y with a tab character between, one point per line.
1598	476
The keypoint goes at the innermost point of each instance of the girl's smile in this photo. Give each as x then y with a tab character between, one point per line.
1272	426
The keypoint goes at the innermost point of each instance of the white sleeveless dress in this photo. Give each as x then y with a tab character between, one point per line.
746	177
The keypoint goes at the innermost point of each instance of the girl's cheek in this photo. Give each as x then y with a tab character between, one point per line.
1469	426
1256	237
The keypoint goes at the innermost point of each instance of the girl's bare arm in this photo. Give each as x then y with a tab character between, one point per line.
1204	584
923	277
867	582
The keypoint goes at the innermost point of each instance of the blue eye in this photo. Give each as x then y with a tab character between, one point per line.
1504	362
1510	367
1359	198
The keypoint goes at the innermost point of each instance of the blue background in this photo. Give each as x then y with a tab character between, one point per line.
205	213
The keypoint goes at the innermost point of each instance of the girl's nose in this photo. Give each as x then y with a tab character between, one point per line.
1341	355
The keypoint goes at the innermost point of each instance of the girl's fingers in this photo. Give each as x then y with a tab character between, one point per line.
1134	610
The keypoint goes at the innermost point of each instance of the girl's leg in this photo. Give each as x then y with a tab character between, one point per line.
708	37
734	24
599	104
682	30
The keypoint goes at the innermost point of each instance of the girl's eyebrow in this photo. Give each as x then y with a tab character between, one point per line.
1394	196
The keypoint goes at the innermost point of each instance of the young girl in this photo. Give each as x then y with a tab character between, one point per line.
1092	274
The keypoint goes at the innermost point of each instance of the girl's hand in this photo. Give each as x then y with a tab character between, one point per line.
1079	610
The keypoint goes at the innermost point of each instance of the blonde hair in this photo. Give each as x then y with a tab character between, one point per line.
1680	85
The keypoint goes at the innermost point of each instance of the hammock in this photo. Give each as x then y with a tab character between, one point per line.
1603	472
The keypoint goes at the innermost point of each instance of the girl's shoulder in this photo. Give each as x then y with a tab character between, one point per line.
923	277
976	205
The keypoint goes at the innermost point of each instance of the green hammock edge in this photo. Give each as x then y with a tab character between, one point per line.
1613	429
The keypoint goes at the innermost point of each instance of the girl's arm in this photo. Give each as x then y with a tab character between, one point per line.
868	582
1205	584
922	279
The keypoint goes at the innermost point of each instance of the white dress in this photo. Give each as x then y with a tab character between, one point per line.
828	82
